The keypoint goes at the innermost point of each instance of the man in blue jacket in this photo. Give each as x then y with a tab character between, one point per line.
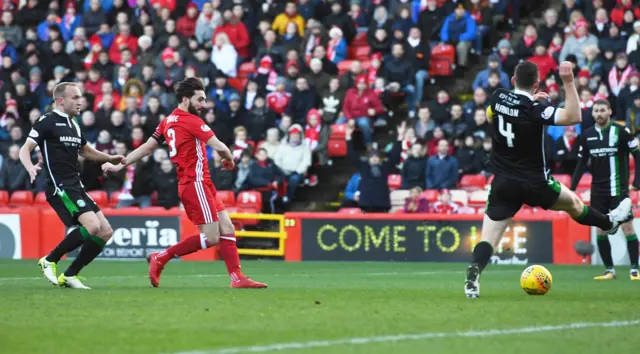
459	29
442	169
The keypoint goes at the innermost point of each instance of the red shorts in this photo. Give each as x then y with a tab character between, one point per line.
200	202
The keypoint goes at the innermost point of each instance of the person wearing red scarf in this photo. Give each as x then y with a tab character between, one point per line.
266	77
372	72
524	48
237	33
546	64
617	14
186	25
316	136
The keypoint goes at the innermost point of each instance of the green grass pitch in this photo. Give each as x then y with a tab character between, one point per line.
315	308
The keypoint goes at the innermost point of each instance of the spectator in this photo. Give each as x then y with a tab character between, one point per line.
13	176
290	40
625	100
290	15
602	24
359	17
546	64
165	185
634	40
303	99
373	188
479	101
467	157
414	167
459	29
566	156
316	137
317	78
258	120
380	42
494	82
267	178
481	13
445	205
337	46
285	123
294	159
482	78
221	177
186	25
430	21
508	60
424	125
208	20
224	55
420	52
415	203
442	169
331	101
457	124
236	33
237	114
11	33
361	105
138	186
550	27
118	128
328	66
279	100
89	128
633	112
379	21
314	36
242	172
619	74
272	143
481	127
525	47
240	145
340	20
399	73
222	92
351	194
614	43
114	181
348	79
576	42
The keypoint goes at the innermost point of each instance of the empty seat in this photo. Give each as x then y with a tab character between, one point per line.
4	198
431	195
40	199
398	197
114	199
564	179
350	211
337	148
100	197
478	198
394	181
249	199
21	198
338	131
459	196
473	182
227	198
585	182
246	69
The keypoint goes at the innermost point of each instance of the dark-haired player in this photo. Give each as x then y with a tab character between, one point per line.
187	136
60	139
519	120
608	145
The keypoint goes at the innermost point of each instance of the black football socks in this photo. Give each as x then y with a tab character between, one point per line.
632	248
74	239
90	250
482	253
592	217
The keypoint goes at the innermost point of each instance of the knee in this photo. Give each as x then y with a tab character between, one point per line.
627	228
93	227
577	204
105	232
212	238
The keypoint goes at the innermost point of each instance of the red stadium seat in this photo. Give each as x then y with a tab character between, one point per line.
40	199
249	199
360	39
246	69
443	57
359	52
227	198
338	131
4	198
440	68
238	83
21	198
113	201
478	198
247	210
459	196
585	182
350	211
337	148
525	212
259	145
564	179
100	197
394	181
344	66
431	195
252	144
365	64
473	182
635	197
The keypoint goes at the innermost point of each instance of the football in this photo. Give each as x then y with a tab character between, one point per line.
536	280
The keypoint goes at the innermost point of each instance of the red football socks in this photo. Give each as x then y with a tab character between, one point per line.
229	253
187	246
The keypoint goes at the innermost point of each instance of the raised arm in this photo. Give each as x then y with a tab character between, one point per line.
571	114
143	150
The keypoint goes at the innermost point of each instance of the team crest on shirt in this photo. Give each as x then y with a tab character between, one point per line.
547	113
205	128
33	133
81	203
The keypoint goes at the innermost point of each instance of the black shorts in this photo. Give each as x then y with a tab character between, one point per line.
70	202
507	196
606	203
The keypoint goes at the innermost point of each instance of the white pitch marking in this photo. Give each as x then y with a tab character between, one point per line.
408	337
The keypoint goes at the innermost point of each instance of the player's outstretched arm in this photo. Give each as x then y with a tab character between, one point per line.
25	158
143	150
571	114
90	153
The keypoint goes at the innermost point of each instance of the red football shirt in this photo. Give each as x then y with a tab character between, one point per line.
186	135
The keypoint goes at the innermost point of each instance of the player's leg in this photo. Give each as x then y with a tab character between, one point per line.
229	251
199	204
569	202
632	248
502	204
65	204
603	204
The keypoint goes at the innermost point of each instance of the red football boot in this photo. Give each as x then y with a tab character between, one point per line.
155	269
246	283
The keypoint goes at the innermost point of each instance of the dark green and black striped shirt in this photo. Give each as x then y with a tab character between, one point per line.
608	150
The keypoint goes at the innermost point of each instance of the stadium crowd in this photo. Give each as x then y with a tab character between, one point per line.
281	76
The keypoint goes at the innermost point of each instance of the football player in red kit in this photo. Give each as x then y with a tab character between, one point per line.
187	136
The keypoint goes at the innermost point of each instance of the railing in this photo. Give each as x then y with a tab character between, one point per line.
281	235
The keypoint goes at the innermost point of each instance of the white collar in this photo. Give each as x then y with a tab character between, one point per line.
523	93
60	113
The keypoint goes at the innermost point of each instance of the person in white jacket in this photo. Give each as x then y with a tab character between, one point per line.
634	41
294	159
224	55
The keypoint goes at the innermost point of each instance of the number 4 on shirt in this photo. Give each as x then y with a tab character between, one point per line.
506	130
